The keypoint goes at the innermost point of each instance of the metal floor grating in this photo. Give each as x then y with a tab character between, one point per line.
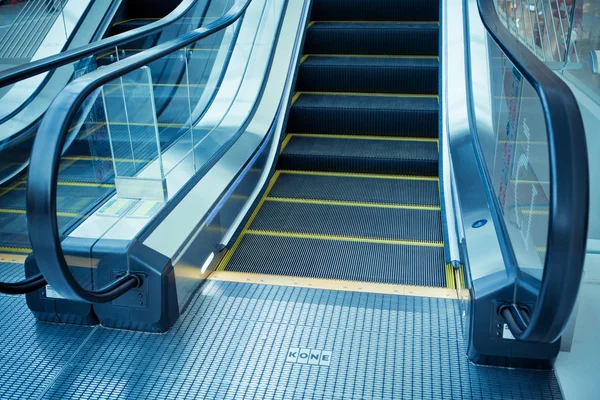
233	341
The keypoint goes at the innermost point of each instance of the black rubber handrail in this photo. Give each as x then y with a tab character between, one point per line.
47	152
28	285
567	224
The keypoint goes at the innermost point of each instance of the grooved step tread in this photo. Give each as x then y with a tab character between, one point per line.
356	189
380	38
330	146
365	102
355	222
383	25
332	259
370	61
402	75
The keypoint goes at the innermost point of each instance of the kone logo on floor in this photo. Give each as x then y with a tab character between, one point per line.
308	356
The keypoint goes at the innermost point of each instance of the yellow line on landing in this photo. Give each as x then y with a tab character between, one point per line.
333	284
13	258
389	138
352	203
355	175
342	238
398	95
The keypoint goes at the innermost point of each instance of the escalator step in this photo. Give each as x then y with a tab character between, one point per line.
378	10
360	155
418	39
412	116
408	75
333	259
356	221
356	188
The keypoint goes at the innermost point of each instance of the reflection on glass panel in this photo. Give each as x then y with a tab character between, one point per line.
517	162
586	36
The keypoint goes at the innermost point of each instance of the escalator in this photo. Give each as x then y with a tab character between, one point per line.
373	200
86	169
357	177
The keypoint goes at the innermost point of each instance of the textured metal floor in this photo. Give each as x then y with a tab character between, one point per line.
233	343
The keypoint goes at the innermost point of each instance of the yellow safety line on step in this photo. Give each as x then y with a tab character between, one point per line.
303	58
361	137
356	175
340	238
13	258
333	284
296	95
230	252
352	204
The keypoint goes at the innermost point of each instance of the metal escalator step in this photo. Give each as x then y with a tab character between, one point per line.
361	114
385	224
356	188
332	259
410	75
360	155
390	38
380	10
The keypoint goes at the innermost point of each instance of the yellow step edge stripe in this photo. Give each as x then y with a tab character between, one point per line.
450	283
342	238
285	143
370	56
12	258
304	57
333	284
357	175
311	23
223	264
352	203
389	138
22	250
296	95
19	211
398	95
